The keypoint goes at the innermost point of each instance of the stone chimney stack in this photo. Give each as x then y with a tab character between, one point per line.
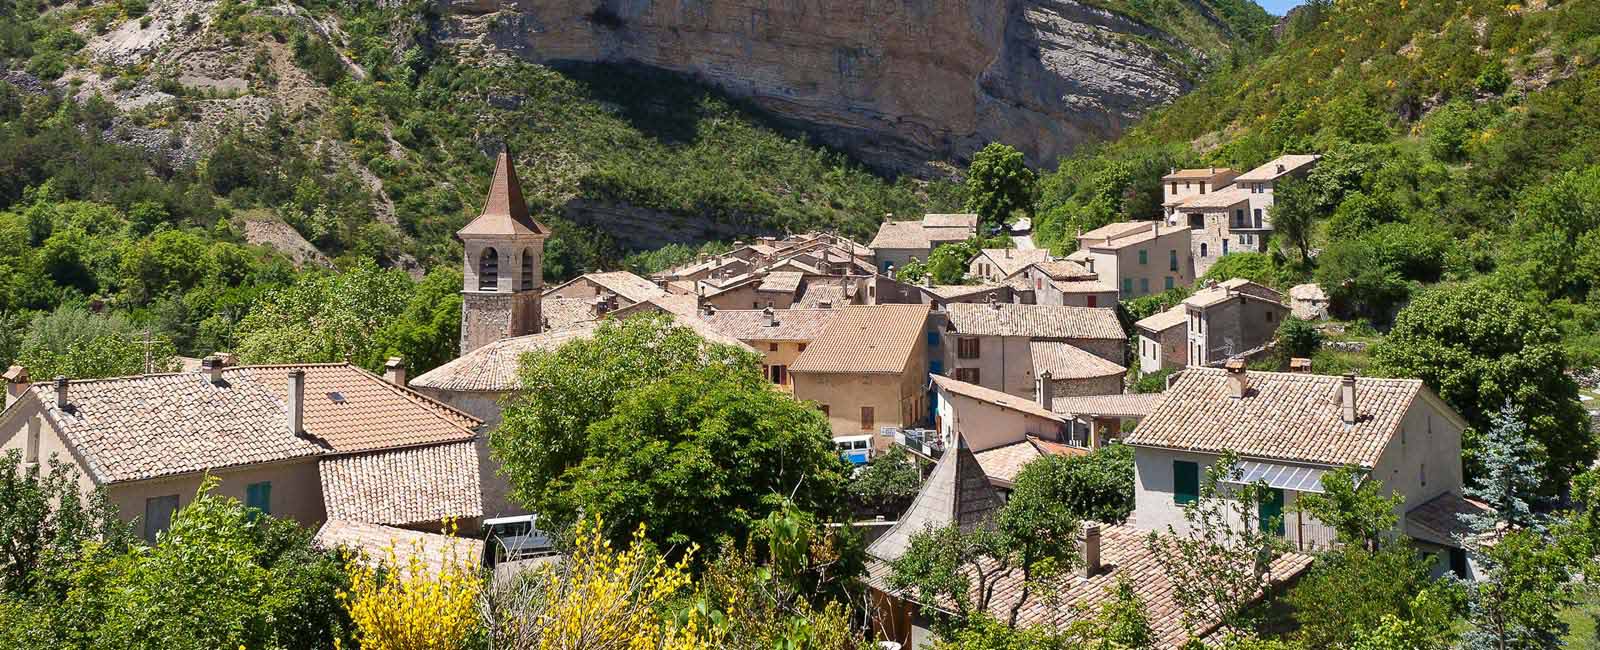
212	366
771	316
1091	549
16	384
395	371
1238	379
61	393
1347	398
296	402
1044	390
1300	365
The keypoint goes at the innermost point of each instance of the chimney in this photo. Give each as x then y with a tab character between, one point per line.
1347	398
710	309
1300	365
825	304
296	401
1091	549
212	366
771	316
1008	253
1044	389
16	384
395	371
1280	169
1238	379
61	392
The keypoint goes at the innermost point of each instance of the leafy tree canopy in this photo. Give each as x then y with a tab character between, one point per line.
999	185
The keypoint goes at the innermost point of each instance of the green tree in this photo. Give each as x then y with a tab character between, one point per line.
888	482
1294	214
1354	506
327	317
647	422
428	332
1371	586
1298	338
999	185
1478	349
44	520
1095	487
74	343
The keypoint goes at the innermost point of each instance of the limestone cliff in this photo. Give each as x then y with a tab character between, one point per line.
898	82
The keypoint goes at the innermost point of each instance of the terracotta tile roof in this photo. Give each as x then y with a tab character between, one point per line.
900	234
136	428
371	412
964	220
751	324
866	339
1219	200
1036	321
1161	322
1285	416
1236	287
1068	361
1438	520
1124	554
1196	174
404	487
1269	171
1002	464
957	492
836	294
566	313
626	285
1127	405
373	543
1010	260
1143	231
952	291
504	212
997	398
1115	230
1064	270
493	367
781	282
1083	286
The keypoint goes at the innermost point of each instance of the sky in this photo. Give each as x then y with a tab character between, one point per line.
1278	7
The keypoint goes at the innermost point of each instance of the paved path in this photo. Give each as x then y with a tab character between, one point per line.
1023	242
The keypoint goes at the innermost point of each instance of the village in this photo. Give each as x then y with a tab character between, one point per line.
975	381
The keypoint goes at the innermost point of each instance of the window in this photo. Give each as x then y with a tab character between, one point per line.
1144	286
527	269
1127	286
33	442
1172	260
1203	249
1168	285
755	305
1238	218
1174	189
259	497
158	515
969	375
1422	470
780	375
868	421
1144	257
1185	482
933	340
1258	217
1202	188
772	347
488	270
967	348
1187	185
1224	247
1090	301
1269	317
803	346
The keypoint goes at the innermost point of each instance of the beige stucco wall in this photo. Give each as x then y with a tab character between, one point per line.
15	424
986	426
784	355
1156	508
1119	265
296	490
1004	363
844	394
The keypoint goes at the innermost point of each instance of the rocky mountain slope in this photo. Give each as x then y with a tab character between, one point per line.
897	83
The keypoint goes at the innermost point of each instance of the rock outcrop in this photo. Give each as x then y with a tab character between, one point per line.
898	82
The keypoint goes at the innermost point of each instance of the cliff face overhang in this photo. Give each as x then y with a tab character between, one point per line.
896	82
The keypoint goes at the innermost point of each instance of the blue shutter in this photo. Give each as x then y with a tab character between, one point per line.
259	497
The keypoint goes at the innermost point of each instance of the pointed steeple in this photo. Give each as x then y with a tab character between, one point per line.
957	492
504	212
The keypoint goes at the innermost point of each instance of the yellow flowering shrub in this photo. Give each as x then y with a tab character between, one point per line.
409	605
600	599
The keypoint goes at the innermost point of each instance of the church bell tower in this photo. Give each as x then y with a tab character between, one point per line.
503	267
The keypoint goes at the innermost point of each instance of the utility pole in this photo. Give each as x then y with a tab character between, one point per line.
147	350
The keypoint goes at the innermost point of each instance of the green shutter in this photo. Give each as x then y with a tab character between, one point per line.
1185	482
1271	511
259	496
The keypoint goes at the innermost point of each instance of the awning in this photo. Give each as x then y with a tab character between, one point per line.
1283	477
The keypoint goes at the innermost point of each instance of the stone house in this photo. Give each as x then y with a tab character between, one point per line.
591	296
1098	420
1289	430
1308	302
1062	282
1220	223
1261	181
780	336
899	242
996	264
306	442
1228	320
994	345
1137	257
868	370
1181	184
1163	340
502	264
